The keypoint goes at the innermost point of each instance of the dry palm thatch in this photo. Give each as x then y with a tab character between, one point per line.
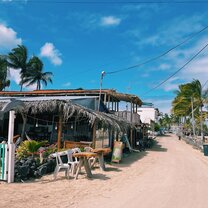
68	109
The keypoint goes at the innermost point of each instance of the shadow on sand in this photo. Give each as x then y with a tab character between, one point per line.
99	176
157	147
129	158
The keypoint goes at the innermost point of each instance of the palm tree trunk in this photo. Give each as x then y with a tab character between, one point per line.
201	122
38	85
21	84
192	113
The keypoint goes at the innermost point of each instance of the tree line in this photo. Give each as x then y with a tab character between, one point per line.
187	108
31	69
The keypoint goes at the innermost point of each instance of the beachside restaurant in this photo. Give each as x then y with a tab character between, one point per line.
59	120
65	123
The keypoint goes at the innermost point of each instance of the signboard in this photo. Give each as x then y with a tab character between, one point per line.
2	161
117	151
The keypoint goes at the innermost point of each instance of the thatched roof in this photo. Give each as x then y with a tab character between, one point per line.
69	109
92	92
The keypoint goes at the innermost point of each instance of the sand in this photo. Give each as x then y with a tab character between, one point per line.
171	175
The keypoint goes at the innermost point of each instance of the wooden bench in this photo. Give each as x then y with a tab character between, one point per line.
71	144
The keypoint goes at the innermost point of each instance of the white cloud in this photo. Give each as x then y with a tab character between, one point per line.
196	69
110	21
32	87
14	75
163	105
67	84
170	33
170	86
8	38
49	51
164	66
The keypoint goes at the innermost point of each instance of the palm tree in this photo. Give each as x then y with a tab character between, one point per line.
18	59
165	121
3	74
189	94
181	105
35	74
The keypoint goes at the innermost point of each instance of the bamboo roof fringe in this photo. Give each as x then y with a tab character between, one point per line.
68	109
93	92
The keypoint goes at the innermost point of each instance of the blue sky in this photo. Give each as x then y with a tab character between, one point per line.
78	41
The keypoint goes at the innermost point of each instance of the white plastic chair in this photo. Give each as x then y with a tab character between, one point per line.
60	165
73	163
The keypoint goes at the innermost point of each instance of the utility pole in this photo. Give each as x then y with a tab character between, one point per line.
192	113
101	82
201	122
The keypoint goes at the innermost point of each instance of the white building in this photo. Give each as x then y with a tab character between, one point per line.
148	114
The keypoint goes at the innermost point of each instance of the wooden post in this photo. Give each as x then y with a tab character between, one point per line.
23	126
112	105
108	102
11	145
59	132
105	98
131	137
117	106
94	134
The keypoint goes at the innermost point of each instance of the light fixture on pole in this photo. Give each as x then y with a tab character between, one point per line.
101	82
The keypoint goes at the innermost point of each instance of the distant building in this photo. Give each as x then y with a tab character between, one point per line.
148	114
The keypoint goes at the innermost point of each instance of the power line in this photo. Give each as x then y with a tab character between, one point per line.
193	57
189	37
107	2
161	55
204	84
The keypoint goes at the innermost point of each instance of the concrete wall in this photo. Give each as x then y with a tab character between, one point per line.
147	114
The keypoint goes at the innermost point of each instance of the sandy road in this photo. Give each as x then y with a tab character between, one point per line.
171	175
174	176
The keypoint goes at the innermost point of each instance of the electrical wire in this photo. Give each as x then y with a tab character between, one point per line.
161	55
54	122
192	58
107	2
189	37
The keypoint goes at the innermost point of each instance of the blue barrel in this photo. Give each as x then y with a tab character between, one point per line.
205	149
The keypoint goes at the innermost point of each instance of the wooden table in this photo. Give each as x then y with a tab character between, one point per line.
83	161
100	155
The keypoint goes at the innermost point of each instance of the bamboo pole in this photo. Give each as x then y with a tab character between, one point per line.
94	134
59	132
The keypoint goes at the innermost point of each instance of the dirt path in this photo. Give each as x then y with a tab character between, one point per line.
171	175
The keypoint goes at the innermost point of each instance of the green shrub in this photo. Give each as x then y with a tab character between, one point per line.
27	148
